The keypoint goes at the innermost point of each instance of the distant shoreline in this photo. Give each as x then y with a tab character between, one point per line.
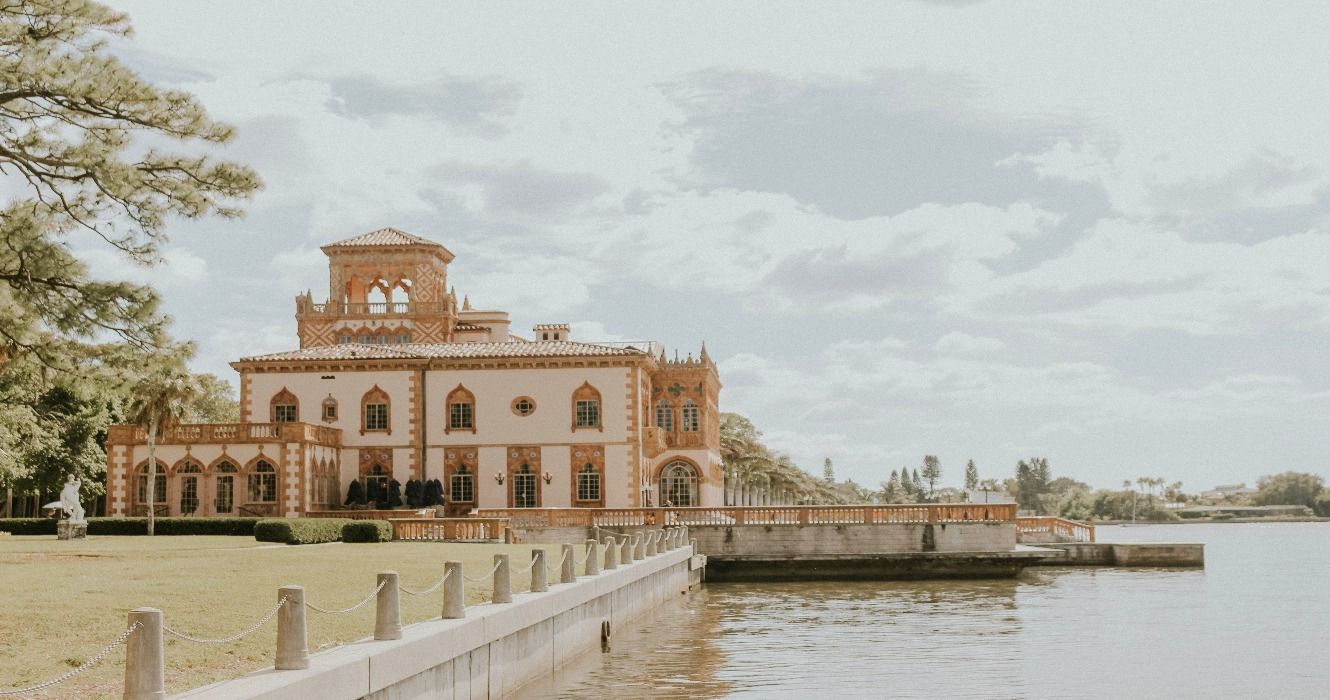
1209	521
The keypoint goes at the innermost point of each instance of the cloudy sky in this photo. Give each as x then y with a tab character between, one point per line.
1094	232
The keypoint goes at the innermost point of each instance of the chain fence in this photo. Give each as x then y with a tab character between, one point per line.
233	638
482	577
106	651
429	590
353	608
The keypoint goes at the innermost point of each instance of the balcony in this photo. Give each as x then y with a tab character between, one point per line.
653	441
304	308
229	433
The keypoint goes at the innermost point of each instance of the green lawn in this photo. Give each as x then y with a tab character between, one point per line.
64	601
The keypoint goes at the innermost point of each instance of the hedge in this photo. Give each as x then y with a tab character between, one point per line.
367	531
137	526
300	530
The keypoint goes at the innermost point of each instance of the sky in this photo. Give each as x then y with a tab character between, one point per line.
1091	232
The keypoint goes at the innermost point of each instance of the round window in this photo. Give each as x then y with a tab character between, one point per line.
524	406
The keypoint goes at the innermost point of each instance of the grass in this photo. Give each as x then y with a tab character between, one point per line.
64	601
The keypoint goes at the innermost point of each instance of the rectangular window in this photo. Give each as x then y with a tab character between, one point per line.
344	340
225	499
403	338
263	487
692	421
461	416
364	340
588	414
189	494
159	489
463	488
284	413
588	486
376	416
330	411
383	340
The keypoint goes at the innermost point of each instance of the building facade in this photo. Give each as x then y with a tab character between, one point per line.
395	379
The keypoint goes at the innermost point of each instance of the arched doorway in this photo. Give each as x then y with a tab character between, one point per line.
224	488
189	475
678	484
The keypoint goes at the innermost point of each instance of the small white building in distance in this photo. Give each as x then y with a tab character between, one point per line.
395	380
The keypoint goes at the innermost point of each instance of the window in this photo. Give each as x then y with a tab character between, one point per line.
158	487
364	340
224	501
586	407
524	405
284	407
374	410
524	487
692	421
462	488
665	416
376	483
403	339
263	483
189	487
678	485
588	483
344	340
329	409
383	340
461	410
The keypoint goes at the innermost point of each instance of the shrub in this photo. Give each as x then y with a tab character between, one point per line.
300	530
138	526
367	531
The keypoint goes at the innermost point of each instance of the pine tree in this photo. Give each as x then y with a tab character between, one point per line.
971	476
828	474
918	486
932	472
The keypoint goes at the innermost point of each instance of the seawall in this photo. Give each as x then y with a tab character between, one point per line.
1107	554
490	653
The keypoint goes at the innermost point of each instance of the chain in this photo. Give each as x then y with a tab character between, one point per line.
524	569
83	667
232	638
429	590
485	576
353	608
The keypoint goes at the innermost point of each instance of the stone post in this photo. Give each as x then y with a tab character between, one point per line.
292	637
568	572
540	576
503	581
692	545
640	550
672	539
145	657
387	610
454	591
611	554
626	552
592	557
651	543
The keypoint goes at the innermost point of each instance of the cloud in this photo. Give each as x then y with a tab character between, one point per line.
481	105
958	343
520	188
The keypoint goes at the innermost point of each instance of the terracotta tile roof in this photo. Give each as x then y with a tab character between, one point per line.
544	348
383	237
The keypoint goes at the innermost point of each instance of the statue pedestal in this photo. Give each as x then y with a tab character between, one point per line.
66	530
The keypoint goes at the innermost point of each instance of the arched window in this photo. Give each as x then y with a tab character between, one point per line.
524	488
586	408
189	474
329	409
158	488
665	416
224	487
461	410
692	417
462	488
284	407
263	483
588	483
678	484
374	411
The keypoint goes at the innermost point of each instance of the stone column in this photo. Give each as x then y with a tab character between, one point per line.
626	551
387	611
611	554
539	574
145	657
292	637
503	583
454	591
592	557
568	572
640	550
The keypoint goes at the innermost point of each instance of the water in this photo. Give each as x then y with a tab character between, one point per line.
1254	623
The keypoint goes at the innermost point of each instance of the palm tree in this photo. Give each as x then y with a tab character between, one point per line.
159	402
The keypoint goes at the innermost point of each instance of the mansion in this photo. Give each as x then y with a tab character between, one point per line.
396	380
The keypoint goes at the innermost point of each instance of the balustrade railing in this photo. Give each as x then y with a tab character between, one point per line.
756	515
449	529
1065	530
390	307
231	432
371	514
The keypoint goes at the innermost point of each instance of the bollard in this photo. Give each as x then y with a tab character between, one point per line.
454	591
692	545
651	544
292	637
640	550
626	550
568	572
675	541
611	554
592	558
540	576
670	538
503	582
387	610
145	657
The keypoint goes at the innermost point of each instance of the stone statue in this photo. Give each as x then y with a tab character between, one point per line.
69	500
